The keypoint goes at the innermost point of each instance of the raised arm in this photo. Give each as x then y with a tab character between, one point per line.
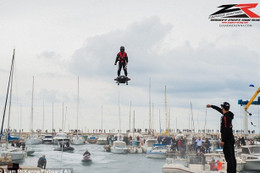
215	107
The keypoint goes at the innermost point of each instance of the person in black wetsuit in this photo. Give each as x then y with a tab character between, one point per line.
86	153
227	137
122	60
42	162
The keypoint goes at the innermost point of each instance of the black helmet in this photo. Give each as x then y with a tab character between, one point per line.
225	105
122	48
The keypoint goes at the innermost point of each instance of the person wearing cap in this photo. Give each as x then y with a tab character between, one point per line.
227	137
122	60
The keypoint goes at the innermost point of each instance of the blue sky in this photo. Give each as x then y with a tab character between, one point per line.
171	42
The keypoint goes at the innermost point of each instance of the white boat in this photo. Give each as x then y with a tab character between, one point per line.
119	147
194	164
135	150
16	153
47	139
6	151
198	164
158	151
251	155
77	140
102	140
148	145
33	139
60	137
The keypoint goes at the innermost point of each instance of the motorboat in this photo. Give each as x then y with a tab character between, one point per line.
77	140
158	151
135	150
92	140
86	158
194	164
33	139
64	146
47	139
60	137
102	140
199	164
148	145
251	155
119	147
16	153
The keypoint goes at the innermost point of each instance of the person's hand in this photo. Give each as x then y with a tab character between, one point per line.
208	105
221	144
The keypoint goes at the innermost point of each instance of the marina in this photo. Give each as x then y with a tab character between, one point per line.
159	157
129	86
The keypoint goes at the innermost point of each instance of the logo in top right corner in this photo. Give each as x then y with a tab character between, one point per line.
235	15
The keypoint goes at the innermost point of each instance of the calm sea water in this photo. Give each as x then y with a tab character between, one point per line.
102	162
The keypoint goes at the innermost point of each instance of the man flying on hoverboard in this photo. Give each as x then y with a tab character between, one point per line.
122	60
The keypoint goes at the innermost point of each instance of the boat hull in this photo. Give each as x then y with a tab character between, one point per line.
64	149
102	142
156	154
15	156
119	150
47	141
78	141
252	165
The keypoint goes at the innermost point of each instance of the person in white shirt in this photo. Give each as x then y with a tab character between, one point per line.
199	143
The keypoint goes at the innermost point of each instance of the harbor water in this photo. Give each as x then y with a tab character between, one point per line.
102	162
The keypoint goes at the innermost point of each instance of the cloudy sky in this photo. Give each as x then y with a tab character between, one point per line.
171	42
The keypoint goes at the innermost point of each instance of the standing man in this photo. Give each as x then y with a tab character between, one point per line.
199	144
227	137
122	58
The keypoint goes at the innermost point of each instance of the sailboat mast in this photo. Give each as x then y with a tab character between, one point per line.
192	120
134	125
62	125
153	117
78	108
130	110
7	93
160	121
43	117
102	118
52	123
205	126
10	102
32	106
119	111
150	118
20	125
166	112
